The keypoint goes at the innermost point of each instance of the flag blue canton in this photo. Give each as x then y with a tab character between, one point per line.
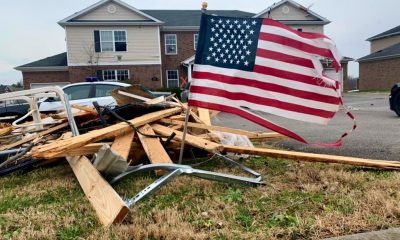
228	42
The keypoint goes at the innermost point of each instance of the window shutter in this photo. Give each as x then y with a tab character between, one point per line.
97	41
99	74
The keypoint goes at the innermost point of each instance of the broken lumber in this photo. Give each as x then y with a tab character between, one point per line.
152	146
249	134
122	144
204	115
28	139
56	149
189	139
109	206
313	157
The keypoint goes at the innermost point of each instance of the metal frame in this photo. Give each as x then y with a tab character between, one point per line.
175	170
32	95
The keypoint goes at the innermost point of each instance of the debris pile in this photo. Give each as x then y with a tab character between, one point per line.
141	134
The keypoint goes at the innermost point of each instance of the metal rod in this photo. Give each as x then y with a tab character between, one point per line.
184	134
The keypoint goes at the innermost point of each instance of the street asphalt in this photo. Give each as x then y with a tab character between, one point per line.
377	135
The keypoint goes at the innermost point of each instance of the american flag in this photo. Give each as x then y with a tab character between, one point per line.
260	64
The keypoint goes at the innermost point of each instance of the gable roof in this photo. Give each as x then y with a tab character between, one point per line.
53	63
386	53
71	20
190	18
321	20
389	33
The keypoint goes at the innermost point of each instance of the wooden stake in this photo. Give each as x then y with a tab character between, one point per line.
109	206
190	139
312	157
122	144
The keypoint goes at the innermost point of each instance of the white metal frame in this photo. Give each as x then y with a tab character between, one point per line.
32	96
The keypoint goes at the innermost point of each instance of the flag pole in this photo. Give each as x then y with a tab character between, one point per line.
184	134
204	6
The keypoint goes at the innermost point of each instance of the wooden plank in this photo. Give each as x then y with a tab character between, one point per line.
122	144
224	129
312	157
204	115
189	139
153	147
28	139
109	206
91	110
56	149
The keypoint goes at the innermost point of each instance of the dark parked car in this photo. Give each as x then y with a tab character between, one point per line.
13	108
394	99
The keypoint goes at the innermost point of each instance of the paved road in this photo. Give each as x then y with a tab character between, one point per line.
377	135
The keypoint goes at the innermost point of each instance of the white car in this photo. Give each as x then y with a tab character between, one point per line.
85	94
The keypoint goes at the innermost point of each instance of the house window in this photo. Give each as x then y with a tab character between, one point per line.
170	44
113	41
116	75
172	78
195	40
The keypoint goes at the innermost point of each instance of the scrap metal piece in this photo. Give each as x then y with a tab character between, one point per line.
176	170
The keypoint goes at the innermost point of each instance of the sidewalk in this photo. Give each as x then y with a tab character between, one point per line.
389	234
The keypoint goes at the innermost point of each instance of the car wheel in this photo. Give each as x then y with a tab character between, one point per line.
396	104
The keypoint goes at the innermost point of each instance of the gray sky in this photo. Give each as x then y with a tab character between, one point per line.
29	29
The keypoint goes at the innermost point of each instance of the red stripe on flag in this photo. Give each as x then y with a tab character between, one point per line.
287	75
266	86
296	44
270	22
248	116
262	101
285	58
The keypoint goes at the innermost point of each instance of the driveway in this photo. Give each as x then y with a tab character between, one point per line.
377	135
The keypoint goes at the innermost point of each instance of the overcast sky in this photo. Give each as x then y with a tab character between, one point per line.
29	29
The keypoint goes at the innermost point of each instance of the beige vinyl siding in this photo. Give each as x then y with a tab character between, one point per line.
122	13
294	13
143	46
380	44
309	28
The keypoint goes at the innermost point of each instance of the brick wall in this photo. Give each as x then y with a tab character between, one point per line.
379	75
185	50
44	77
346	85
142	74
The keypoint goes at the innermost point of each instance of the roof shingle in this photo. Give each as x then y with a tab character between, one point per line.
391	32
59	60
389	52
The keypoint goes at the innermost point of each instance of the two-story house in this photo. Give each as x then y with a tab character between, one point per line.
114	41
380	69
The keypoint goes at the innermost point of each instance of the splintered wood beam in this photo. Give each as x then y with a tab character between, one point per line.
122	144
152	146
249	134
58	148
28	139
312	157
109	206
204	115
189	139
93	148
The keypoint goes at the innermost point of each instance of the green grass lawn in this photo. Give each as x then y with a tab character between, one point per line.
299	201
